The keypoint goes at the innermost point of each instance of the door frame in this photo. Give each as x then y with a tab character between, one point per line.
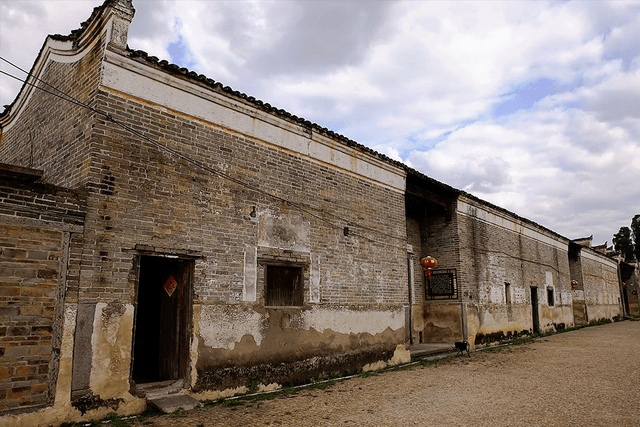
187	308
535	309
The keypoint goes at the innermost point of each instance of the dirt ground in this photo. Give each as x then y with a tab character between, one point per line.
589	377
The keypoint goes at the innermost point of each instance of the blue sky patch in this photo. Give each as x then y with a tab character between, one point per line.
179	51
525	96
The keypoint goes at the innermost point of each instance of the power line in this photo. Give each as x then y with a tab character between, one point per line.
73	101
62	95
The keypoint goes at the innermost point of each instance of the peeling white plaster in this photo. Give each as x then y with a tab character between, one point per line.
314	279
566	298
65	367
111	343
548	278
224	326
250	274
518	295
288	232
497	294
352	321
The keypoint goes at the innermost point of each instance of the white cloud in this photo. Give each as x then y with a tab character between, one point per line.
24	25
419	81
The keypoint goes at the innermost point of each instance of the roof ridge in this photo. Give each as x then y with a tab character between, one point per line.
184	72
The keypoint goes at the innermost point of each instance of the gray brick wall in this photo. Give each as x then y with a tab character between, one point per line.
34	219
53	134
492	255
141	195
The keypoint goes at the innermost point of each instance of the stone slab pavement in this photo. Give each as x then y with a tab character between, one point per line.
588	377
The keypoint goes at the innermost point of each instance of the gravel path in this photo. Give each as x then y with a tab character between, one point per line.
589	377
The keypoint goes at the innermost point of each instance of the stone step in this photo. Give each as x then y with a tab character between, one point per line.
425	350
158	389
173	402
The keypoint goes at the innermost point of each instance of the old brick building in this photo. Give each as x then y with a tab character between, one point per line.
219	240
223	239
499	275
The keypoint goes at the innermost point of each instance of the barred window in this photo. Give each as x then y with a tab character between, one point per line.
443	284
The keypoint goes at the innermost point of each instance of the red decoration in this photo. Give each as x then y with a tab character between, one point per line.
574	284
429	263
170	285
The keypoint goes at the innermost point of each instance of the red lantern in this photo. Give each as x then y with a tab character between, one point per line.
574	284
429	263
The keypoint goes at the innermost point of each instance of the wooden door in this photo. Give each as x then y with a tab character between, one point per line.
534	310
163	313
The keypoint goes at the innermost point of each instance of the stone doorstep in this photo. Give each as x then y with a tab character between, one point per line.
159	389
171	403
424	350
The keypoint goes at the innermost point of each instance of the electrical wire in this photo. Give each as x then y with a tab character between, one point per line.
62	95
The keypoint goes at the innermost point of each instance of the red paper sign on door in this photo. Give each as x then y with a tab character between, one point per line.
170	285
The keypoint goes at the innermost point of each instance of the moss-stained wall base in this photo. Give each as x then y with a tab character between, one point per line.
555	318
495	322
603	311
291	373
288	345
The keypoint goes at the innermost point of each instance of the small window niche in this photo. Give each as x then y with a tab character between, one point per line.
284	286
507	292
550	297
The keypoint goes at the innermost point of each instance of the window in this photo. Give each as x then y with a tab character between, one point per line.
284	286
507	292
443	284
550	297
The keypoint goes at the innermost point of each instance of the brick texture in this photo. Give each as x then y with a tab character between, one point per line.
32	226
140	195
53	134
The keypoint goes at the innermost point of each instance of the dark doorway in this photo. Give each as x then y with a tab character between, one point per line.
163	313
534	310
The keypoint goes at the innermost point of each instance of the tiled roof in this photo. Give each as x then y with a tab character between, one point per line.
213	85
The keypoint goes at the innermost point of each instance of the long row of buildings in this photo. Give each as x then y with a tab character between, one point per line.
159	227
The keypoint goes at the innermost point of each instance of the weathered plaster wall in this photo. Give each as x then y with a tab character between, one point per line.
111	345
141	199
62	409
166	205
288	346
601	287
443	321
435	234
498	249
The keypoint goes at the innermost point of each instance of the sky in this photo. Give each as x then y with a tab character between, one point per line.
532	106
